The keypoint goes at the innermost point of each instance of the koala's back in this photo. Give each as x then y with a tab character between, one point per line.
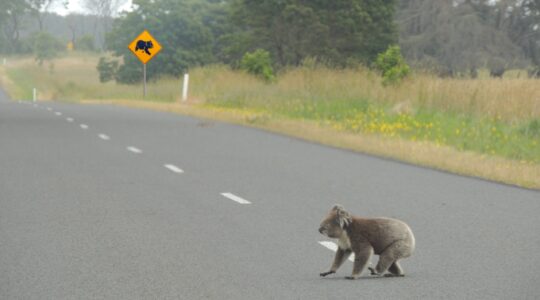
381	232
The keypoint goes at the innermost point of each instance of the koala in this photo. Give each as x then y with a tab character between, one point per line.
391	239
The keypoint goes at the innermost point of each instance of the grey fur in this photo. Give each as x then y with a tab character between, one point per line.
391	239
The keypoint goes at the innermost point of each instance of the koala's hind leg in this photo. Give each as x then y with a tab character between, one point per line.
395	270
388	259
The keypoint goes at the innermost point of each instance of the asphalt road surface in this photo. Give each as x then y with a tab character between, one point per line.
105	202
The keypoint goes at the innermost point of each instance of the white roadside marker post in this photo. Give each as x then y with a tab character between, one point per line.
34	95
185	87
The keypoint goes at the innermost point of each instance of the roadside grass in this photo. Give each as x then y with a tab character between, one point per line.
485	127
74	78
355	101
511	99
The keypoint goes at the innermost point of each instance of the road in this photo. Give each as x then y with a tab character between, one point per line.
106	202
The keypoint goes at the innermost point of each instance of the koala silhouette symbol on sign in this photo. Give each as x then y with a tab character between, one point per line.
144	45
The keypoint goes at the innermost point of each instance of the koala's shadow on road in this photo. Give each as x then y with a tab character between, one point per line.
343	278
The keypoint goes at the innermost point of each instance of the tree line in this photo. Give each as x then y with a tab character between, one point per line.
452	38
23	23
198	32
458	37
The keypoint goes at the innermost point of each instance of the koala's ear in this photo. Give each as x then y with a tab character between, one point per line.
344	218
338	208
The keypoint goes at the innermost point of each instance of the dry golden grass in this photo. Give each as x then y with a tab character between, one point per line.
508	99
75	78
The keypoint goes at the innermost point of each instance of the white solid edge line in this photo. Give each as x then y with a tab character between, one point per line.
134	150
104	137
235	198
173	168
84	126
332	246
69	119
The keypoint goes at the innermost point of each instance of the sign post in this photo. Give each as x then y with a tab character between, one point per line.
144	80
144	47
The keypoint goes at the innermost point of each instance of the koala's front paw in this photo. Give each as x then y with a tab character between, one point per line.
327	273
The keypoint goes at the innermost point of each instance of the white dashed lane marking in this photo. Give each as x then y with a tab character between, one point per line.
134	150
49	109
235	198
69	119
58	113
332	246
84	126
104	137
173	168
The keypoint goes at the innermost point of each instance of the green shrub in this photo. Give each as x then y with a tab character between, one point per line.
534	71
532	129
392	65
129	72
258	63
107	69
85	43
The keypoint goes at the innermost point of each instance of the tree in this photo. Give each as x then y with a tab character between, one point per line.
46	46
520	19
71	22
38	9
456	36
11	16
287	29
104	10
336	31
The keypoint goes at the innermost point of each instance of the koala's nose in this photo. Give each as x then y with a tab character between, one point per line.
320	230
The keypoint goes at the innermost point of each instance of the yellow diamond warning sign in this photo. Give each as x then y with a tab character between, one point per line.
145	47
